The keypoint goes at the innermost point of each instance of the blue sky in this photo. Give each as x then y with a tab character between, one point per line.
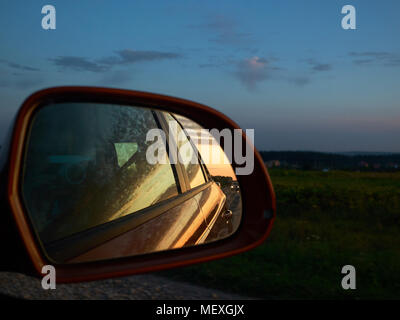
285	68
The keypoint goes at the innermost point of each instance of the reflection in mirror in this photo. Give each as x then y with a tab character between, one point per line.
218	166
93	190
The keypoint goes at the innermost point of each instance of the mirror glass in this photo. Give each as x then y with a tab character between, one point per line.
105	181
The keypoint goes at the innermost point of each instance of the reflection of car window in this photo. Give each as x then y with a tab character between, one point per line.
125	151
212	154
187	154
86	165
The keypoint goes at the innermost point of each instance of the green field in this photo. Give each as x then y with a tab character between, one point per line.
325	220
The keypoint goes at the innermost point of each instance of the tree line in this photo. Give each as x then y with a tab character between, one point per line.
322	160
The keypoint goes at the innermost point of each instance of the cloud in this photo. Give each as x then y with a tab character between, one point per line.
252	71
128	56
314	67
18	66
255	70
122	57
322	67
21	67
78	64
384	58
219	62
317	66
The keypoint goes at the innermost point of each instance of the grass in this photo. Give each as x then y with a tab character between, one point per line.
325	220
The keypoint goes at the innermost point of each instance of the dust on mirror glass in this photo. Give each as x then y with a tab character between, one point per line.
105	181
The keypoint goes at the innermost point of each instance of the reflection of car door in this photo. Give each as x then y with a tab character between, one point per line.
180	225
211	199
179	222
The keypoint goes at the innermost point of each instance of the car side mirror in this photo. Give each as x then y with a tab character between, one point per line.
105	182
